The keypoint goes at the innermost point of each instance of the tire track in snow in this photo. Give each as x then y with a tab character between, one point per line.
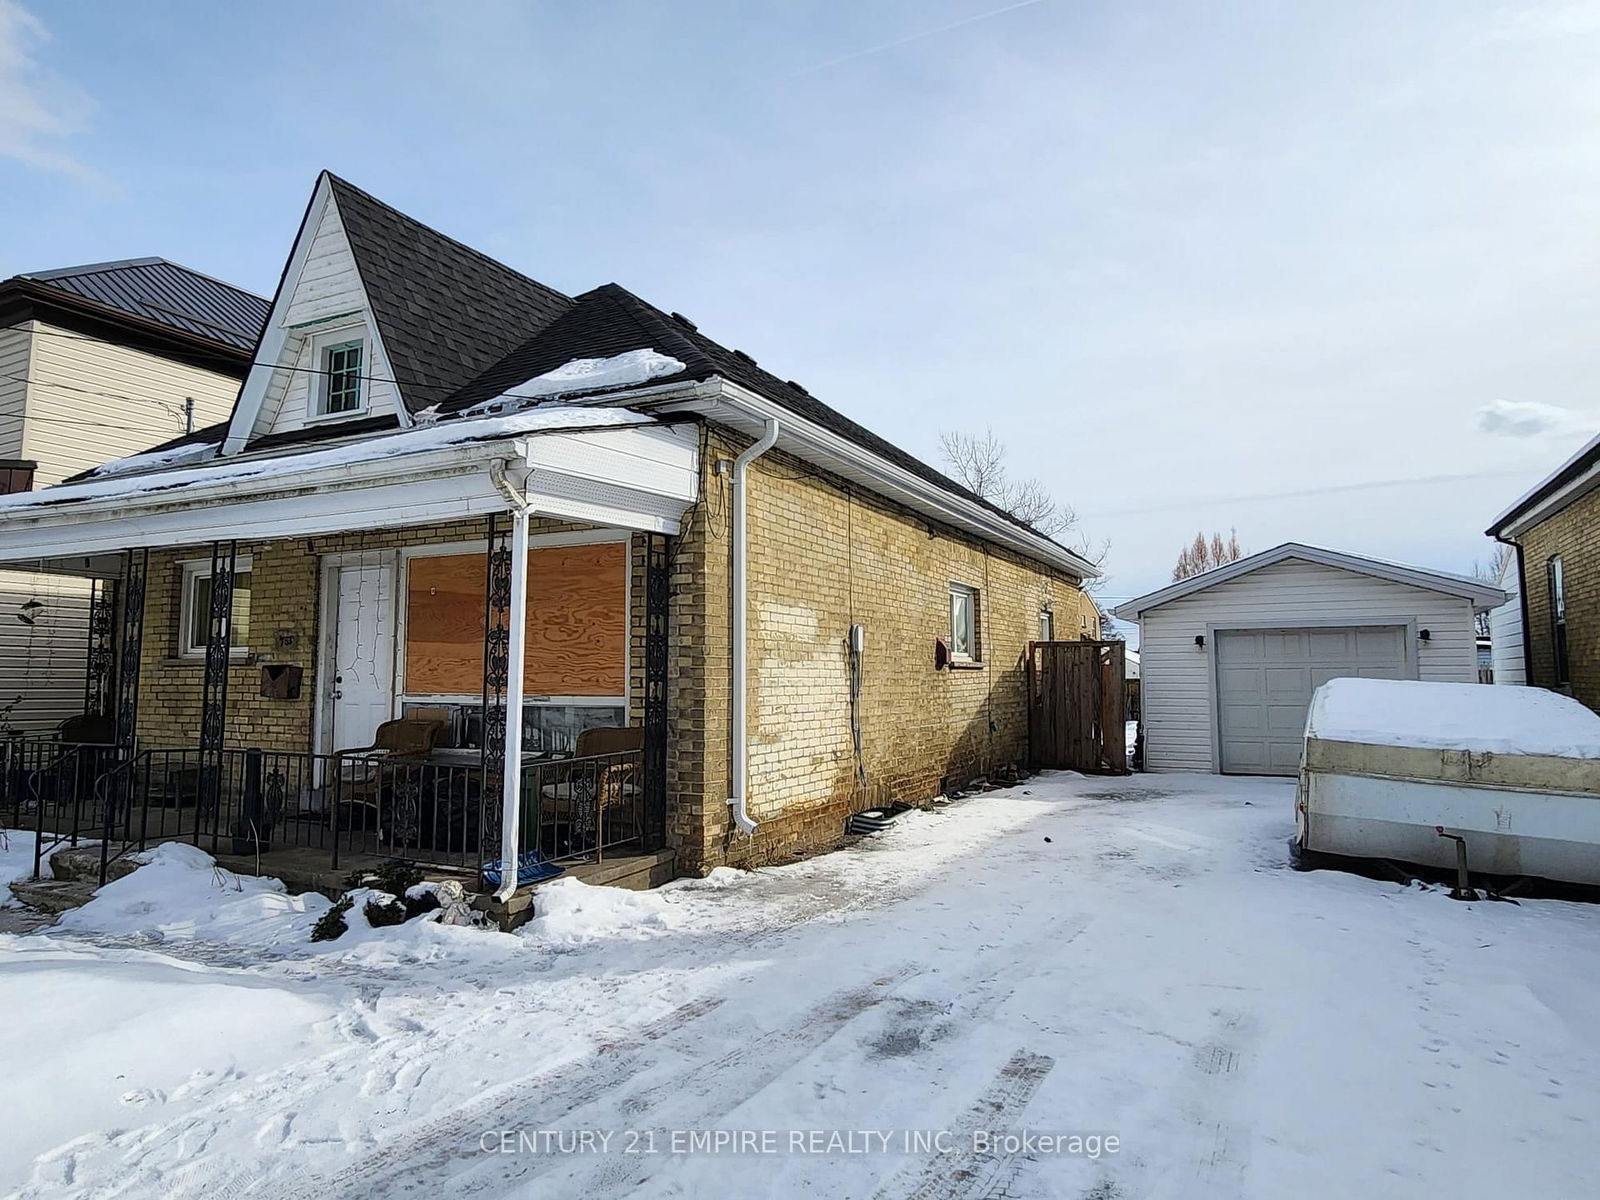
740	1072
433	1145
969	1171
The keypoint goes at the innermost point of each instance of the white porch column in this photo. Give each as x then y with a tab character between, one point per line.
517	635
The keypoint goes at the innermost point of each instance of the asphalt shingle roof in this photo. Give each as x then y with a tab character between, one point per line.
445	311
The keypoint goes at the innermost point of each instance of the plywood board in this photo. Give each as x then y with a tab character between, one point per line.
577	637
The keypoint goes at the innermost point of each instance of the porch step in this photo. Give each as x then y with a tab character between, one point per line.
81	864
637	872
53	895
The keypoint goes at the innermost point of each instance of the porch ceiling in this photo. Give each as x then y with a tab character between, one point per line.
639	476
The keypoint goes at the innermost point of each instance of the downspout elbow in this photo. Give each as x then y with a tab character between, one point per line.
738	811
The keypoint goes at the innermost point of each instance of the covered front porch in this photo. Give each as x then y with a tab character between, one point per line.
332	685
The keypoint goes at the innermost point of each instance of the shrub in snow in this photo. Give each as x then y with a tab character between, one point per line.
331	924
383	910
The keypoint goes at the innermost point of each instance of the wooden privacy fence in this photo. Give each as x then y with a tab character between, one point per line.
1076	707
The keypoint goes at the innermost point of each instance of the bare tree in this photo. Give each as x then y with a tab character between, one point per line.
978	461
1201	555
1491	572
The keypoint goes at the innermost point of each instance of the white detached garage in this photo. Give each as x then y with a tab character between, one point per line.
1229	659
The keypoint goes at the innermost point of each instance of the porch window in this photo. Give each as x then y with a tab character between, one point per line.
963	623
195	616
575	663
1556	581
341	378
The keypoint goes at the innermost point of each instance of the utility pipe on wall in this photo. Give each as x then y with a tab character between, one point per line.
738	741
511	796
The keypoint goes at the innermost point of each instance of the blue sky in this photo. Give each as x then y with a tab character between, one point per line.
1198	265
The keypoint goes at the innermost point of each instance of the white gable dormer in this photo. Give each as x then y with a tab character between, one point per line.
321	358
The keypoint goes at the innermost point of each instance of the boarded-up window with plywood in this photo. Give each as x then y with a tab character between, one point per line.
577	639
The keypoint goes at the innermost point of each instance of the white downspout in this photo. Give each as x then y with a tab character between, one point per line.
738	741
511	797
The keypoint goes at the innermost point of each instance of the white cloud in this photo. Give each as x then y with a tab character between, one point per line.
1529	419
37	111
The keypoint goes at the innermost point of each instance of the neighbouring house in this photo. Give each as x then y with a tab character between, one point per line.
1229	658
98	361
532	572
1507	644
1555	529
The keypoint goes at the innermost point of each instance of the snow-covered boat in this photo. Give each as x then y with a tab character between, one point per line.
1389	764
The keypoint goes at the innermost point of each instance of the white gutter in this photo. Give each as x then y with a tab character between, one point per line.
739	740
511	795
740	407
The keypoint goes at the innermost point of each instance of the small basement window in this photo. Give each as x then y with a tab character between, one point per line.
195	619
341	379
963	623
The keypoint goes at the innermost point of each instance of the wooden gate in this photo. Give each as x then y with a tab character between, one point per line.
1076	706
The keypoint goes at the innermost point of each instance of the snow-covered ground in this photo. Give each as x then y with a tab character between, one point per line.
1127	958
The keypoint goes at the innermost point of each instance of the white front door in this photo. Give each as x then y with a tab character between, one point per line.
360	684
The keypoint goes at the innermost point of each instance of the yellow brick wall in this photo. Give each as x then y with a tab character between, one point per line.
1573	533
824	556
284	628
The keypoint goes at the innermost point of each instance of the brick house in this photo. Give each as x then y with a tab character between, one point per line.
1555	529
741	615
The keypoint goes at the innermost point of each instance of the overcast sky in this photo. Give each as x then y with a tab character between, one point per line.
1322	272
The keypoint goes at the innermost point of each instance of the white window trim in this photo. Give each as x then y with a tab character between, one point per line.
194	569
576	537
1047	625
317	395
973	613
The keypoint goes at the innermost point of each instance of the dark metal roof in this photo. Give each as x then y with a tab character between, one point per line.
167	294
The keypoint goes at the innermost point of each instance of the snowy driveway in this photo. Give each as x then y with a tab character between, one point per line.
1108	958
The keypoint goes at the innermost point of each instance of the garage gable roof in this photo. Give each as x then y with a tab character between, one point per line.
1482	595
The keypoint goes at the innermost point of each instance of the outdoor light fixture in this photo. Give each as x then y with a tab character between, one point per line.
1200	640
1426	635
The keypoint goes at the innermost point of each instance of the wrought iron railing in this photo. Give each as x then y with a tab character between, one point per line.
256	802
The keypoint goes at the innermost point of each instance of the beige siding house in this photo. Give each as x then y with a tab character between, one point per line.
98	362
1229	658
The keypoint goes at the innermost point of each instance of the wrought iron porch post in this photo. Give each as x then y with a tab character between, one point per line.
135	568
214	694
657	590
496	674
99	689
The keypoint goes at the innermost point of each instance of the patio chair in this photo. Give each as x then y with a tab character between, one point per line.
578	794
377	779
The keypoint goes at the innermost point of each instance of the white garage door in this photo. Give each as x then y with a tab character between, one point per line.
1265	678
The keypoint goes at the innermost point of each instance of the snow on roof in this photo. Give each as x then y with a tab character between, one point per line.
119	482
1453	716
158	460
628	369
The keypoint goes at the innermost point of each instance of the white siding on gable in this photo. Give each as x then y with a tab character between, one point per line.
1177	675
1505	632
327	295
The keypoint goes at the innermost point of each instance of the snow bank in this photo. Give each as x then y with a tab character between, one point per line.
181	893
569	912
390	445
628	369
1453	716
158	460
16	860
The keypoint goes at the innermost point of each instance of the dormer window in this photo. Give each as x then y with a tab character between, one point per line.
340	391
